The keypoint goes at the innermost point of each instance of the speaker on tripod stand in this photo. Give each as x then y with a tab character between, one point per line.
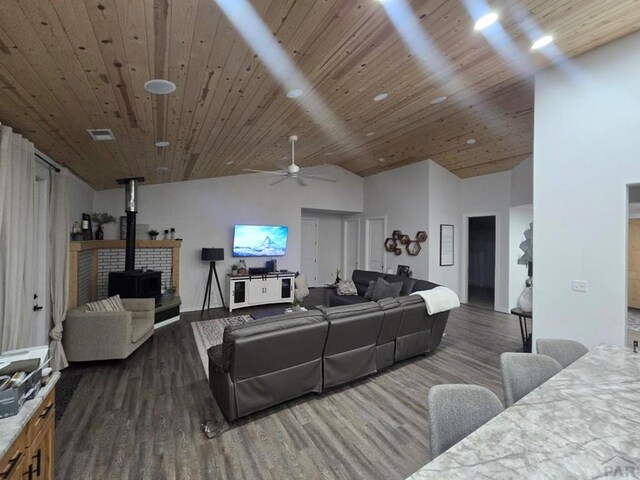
211	255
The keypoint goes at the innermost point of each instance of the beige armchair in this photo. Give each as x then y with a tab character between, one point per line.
108	335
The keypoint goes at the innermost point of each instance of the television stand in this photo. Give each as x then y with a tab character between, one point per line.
252	290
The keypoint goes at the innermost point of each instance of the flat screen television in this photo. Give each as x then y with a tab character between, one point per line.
260	240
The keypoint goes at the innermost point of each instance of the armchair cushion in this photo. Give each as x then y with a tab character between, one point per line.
111	304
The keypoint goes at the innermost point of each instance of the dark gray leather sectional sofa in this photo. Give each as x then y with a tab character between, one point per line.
361	278
270	361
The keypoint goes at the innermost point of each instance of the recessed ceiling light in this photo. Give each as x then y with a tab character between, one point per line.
162	169
162	144
295	93
438	100
230	162
369	134
471	141
542	42
380	97
159	86
381	160
486	21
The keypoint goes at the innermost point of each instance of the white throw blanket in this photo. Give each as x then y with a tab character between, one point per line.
439	299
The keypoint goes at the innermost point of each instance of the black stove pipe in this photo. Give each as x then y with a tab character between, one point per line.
131	209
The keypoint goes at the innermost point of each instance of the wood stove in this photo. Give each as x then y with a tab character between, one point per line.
132	283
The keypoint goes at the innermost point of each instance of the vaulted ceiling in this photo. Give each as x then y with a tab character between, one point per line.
70	65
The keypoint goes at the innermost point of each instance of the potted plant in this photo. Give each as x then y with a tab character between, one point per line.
297	304
153	234
101	219
234	269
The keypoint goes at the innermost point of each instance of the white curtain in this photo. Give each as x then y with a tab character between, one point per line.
58	266
17	238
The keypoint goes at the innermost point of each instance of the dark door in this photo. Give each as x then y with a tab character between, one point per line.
481	273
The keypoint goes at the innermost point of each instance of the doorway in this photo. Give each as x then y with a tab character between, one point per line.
632	329
481	265
351	228
309	250
375	233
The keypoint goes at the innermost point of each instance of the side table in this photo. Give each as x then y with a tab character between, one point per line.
524	331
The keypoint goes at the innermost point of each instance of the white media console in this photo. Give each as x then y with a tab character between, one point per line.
252	290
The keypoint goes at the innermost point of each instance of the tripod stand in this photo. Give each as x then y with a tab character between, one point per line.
207	290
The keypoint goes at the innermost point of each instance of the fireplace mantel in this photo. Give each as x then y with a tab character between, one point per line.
92	248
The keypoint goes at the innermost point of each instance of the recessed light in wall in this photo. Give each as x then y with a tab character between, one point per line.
486	21
295	93
159	86
438	100
542	42
382	160
162	169
162	144
369	134
380	97
471	141
230	162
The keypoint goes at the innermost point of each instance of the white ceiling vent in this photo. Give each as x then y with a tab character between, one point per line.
101	134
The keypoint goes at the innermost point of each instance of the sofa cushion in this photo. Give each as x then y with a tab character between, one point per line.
407	282
335	300
346	287
369	293
342	311
384	289
420	285
141	323
266	325
111	304
362	278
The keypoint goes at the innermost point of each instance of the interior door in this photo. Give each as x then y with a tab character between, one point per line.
634	264
309	250
375	244
351	246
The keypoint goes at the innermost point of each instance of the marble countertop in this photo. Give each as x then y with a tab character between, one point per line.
11	427
582	423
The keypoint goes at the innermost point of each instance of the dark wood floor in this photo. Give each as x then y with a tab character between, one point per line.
141	419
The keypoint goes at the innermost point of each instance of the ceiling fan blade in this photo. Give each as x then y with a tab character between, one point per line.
314	177
263	171
281	166
301	182
279	180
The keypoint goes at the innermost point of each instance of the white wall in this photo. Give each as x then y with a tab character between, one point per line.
586	146
444	209
81	198
402	195
520	218
330	240
203	212
483	196
522	183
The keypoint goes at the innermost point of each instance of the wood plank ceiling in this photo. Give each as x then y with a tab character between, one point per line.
69	65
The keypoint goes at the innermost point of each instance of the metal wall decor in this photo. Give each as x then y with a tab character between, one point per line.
412	247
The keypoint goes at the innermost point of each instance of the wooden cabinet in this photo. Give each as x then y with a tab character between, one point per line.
252	290
31	455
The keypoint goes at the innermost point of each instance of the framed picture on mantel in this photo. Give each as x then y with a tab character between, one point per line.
446	245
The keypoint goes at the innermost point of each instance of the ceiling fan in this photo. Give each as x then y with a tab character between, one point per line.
293	170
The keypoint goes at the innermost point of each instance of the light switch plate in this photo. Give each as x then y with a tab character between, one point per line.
579	285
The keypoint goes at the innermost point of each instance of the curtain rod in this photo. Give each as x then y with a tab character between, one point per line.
51	165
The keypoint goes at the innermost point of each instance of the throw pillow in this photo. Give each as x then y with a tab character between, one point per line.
111	304
347	287
384	289
369	293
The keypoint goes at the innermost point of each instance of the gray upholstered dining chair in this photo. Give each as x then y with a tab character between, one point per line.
565	352
455	411
522	372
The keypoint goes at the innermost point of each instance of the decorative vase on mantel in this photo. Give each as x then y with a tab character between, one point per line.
99	233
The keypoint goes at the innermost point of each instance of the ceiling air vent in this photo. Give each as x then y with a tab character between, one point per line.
100	134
